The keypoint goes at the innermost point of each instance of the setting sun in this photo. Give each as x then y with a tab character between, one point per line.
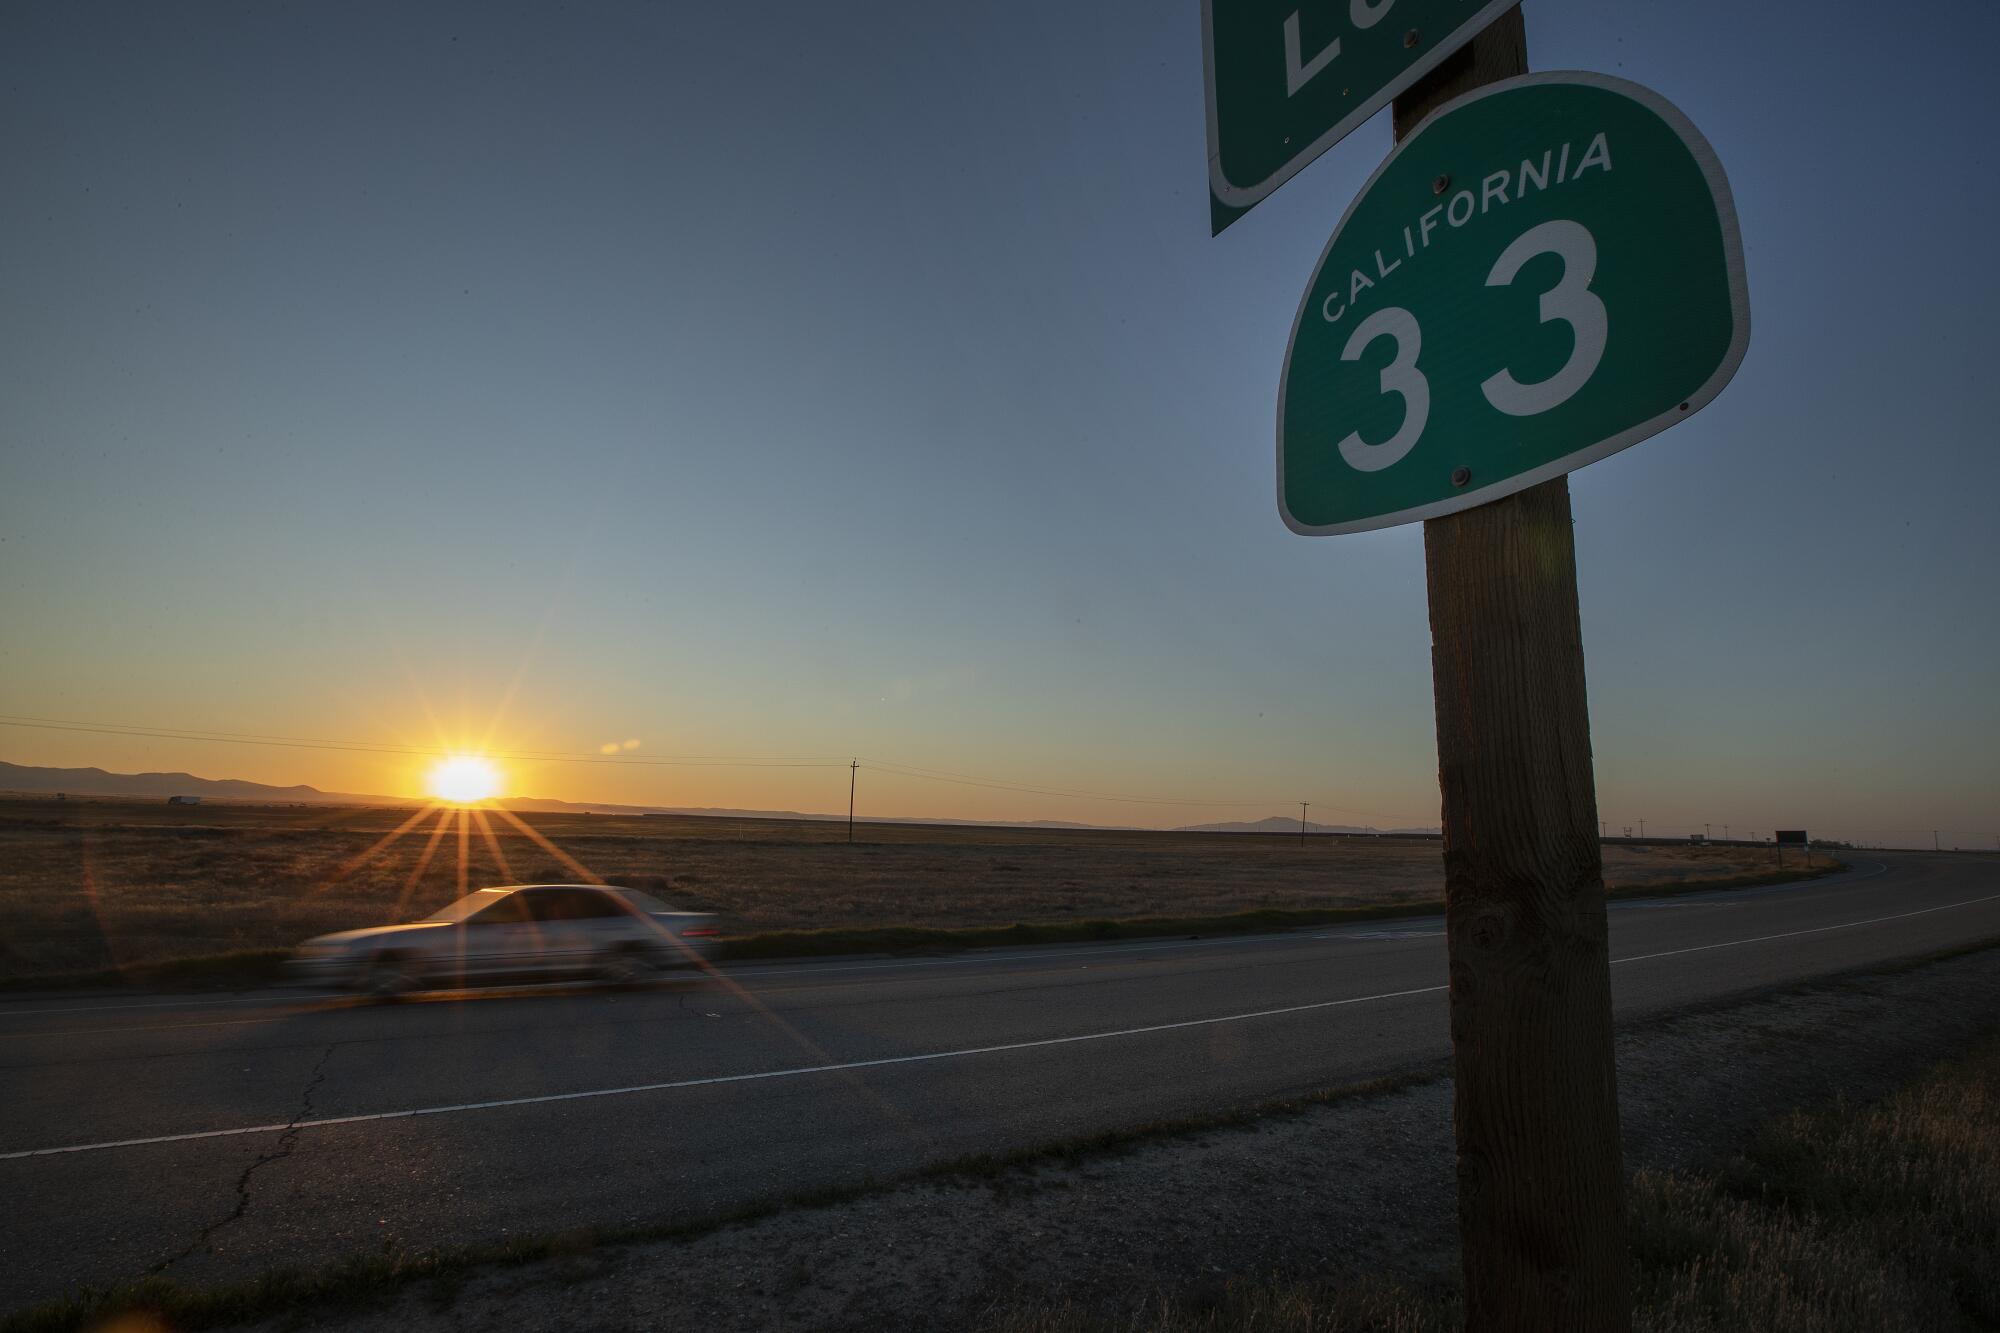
464	779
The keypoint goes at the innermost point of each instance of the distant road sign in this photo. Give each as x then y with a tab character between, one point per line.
1545	271
1288	79
1790	837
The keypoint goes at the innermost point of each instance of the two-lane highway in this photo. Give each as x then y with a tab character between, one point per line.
215	1137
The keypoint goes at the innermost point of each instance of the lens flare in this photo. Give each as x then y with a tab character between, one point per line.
464	779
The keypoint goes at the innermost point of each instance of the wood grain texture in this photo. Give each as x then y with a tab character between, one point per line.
1540	1174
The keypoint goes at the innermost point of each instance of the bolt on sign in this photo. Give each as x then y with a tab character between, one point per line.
1545	271
1288	80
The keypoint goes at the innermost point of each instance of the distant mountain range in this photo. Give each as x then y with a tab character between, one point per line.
28	780
97	782
1287	824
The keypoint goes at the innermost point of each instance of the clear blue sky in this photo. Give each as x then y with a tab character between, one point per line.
824	380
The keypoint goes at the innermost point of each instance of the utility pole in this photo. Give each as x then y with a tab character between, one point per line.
1642	828
1707	833
1541	1185
1600	829
1725	833
853	767
1934	841
1302	823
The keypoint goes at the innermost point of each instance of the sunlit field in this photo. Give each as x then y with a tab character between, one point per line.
94	883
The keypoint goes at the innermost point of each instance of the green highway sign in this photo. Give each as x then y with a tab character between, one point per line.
1288	79
1545	271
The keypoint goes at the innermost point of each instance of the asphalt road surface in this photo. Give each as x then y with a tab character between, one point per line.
209	1138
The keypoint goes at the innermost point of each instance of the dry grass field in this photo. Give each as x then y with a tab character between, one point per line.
97	883
1847	1219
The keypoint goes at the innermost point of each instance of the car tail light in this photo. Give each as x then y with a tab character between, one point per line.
700	932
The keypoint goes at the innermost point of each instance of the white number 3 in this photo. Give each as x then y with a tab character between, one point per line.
1570	300
1400	376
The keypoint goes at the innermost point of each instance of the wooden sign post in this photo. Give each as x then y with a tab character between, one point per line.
1546	270
1540	1175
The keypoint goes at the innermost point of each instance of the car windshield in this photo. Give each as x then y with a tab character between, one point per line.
466	906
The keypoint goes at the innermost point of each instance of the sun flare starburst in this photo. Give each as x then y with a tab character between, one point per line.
464	779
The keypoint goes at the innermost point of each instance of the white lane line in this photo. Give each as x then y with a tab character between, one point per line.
1068	951
313	1003
1386	935
1072	951
753	972
1354	934
911	1059
1815	930
714	1080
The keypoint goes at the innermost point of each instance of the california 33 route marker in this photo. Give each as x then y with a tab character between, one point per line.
1546	271
1288	79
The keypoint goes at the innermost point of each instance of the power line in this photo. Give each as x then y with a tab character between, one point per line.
929	775
937	775
360	747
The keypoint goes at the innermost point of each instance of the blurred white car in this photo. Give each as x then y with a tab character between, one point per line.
524	930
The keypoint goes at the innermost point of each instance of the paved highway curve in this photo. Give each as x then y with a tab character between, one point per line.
215	1137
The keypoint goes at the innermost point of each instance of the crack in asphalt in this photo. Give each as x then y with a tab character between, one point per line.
288	1139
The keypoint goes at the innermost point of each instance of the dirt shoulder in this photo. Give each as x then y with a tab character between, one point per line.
1340	1190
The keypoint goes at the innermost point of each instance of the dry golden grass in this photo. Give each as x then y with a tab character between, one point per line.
1884	1219
90	884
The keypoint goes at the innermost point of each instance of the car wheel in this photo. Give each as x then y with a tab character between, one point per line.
389	976
628	966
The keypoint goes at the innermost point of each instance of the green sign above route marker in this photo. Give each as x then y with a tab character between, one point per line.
1545	271
1288	79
